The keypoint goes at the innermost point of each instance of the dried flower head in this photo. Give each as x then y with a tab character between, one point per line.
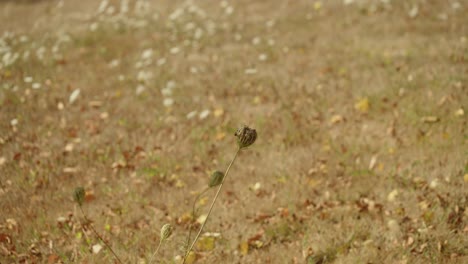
166	231
79	195
246	136
216	179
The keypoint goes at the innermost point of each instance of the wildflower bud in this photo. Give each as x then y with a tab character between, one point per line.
216	179
166	231
245	136
79	195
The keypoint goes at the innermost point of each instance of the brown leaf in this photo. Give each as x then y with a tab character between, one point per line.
256	237
53	259
261	217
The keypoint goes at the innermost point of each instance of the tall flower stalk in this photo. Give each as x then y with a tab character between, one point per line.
79	197
166	232
245	137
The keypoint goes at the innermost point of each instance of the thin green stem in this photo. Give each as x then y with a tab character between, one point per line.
100	238
193	213
155	252
211	207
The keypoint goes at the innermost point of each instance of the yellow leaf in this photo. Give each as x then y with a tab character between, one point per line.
282	179
326	147
459	112
220	136
362	105
191	258
380	167
317	5
218	112
179	183
7	74
256	100
185	218
430	119
202	201
336	119
258	244
465	177
392	195
314	183
206	244
201	219
244	248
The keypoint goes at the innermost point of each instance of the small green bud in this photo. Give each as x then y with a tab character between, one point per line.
79	195
245	136
216	179
166	231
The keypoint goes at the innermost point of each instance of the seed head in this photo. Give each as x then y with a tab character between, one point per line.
246	136
79	195
216	179
166	231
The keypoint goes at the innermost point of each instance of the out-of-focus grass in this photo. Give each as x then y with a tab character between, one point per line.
327	181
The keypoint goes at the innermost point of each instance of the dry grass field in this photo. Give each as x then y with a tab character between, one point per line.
360	108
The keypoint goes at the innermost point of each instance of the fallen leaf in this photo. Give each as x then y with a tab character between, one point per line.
52	259
220	136
179	183
260	217
314	183
202	201
97	248
430	119
459	112
362	105
336	119
206	243
95	104
104	115
372	162
255	187
244	248
191	258
89	196
70	170
256	100
74	96
69	147
11	224
434	184
204	114
168	102
218	112
393	226
317	5
201	219
392	195
283	212
5	239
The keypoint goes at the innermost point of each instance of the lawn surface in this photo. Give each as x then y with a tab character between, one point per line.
360	108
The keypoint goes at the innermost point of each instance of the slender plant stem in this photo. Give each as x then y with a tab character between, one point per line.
193	213
100	238
155	252
211	207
